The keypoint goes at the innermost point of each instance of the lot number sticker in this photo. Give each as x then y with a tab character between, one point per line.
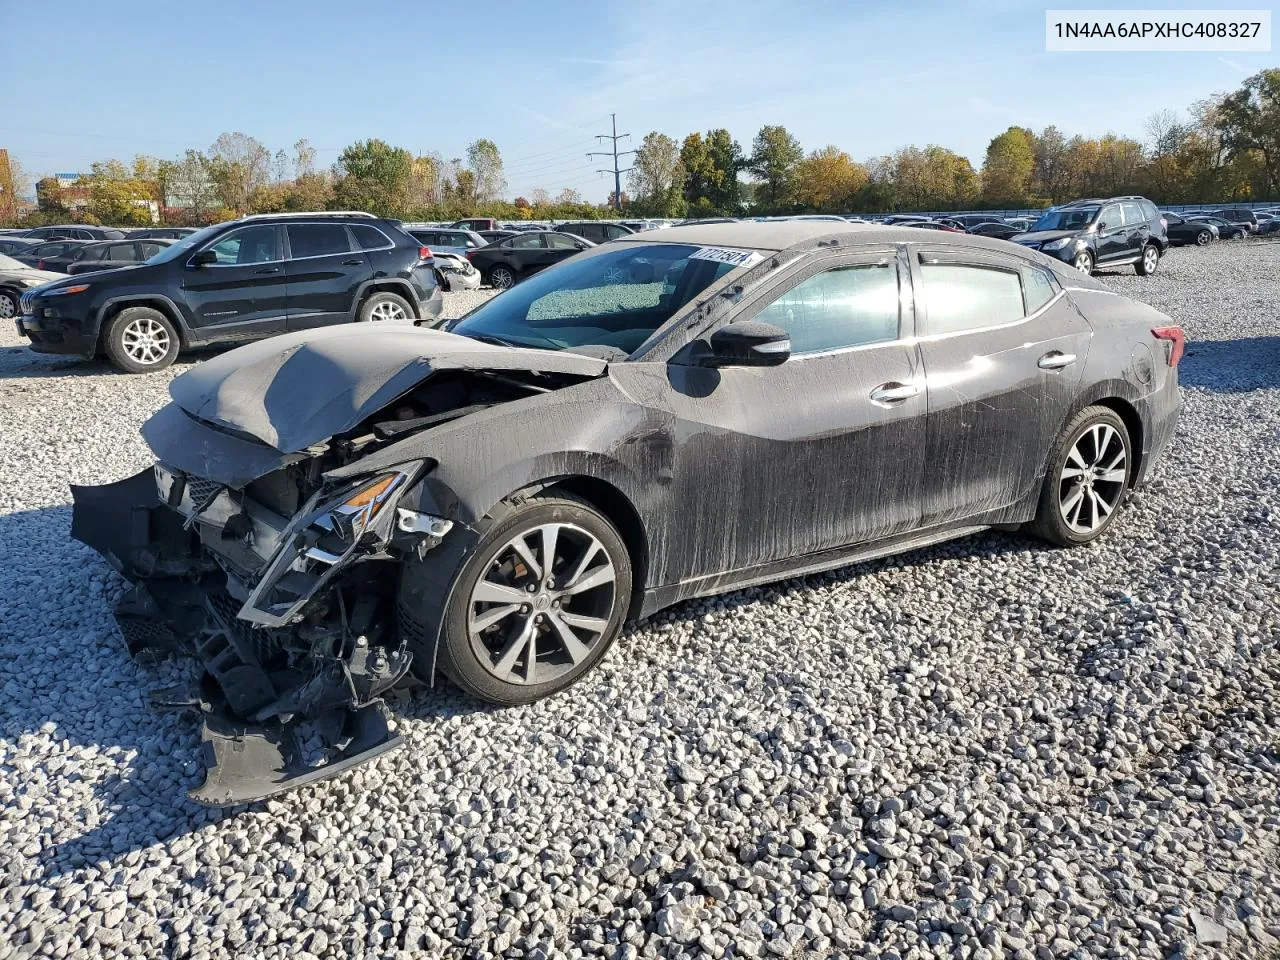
739	258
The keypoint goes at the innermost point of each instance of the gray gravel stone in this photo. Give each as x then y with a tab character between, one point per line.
1075	750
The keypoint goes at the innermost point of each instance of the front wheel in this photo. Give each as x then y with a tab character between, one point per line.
1083	261
538	603
502	277
1149	260
8	305
1089	471
141	340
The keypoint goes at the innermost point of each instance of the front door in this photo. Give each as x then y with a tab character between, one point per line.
324	274
1003	350
822	451
242	293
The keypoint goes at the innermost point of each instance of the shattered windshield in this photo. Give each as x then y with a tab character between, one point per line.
615	299
1077	218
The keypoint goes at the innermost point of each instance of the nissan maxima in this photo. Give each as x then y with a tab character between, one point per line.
667	416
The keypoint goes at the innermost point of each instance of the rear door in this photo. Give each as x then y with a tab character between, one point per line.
241	294
1137	227
1003	349
323	274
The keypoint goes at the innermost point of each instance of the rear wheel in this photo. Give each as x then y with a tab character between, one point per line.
1088	474
141	340
502	277
1149	260
385	305
538	603
1204	238
1083	261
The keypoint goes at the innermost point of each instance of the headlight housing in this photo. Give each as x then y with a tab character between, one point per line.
349	515
1059	243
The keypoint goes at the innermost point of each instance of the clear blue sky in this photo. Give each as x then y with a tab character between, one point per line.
104	80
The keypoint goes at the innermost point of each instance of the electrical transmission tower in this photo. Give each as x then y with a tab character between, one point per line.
617	173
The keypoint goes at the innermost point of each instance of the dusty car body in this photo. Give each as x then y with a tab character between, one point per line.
335	509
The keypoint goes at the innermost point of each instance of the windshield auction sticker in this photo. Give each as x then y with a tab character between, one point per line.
1150	30
739	258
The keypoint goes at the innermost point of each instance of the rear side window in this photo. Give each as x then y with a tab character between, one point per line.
1038	287
1149	210
1132	213
369	238
317	239
121	251
963	297
845	307
530	241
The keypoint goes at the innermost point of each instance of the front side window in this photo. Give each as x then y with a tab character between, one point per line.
845	307
317	240
1109	219
251	245
91	253
616	299
149	250
962	297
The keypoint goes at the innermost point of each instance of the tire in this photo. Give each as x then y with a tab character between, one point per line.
385	306
8	305
482	646
1083	261
502	277
1204	238
1149	262
1058	520
141	340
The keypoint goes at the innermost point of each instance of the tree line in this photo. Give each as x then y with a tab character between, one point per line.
1224	148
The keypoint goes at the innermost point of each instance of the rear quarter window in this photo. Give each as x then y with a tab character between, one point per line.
961	297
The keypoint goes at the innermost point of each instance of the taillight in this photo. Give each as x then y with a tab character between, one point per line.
1177	342
469	253
39	264
424	253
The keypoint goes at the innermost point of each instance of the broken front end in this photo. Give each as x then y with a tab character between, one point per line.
283	592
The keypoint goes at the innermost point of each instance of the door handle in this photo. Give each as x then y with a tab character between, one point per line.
1055	360
353	263
268	270
894	392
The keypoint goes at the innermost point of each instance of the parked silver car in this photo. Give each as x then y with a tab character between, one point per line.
15	278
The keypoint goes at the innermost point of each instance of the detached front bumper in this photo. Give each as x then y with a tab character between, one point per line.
296	637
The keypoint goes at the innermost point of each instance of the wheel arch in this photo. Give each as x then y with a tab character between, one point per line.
112	307
1128	413
396	285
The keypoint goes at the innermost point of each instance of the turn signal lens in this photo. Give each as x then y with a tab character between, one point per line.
369	494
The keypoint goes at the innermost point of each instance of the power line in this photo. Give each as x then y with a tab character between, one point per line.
617	173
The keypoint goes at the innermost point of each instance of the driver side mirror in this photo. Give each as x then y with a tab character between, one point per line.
1102	225
748	343
202	259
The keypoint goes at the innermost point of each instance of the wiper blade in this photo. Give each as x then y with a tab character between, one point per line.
490	338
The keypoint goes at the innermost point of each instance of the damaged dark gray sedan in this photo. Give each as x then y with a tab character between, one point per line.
667	416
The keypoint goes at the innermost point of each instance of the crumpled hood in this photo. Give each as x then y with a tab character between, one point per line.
296	390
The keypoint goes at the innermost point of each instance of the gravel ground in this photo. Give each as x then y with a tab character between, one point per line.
985	750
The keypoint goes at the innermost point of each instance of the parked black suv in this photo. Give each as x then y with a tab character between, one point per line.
597	231
1089	234
236	281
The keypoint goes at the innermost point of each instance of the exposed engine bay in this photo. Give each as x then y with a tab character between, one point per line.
282	584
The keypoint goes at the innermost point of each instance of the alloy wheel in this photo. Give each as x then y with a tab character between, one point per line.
502	278
1084	262
1150	259
145	340
1203	238
543	603
8	307
1092	478
387	310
